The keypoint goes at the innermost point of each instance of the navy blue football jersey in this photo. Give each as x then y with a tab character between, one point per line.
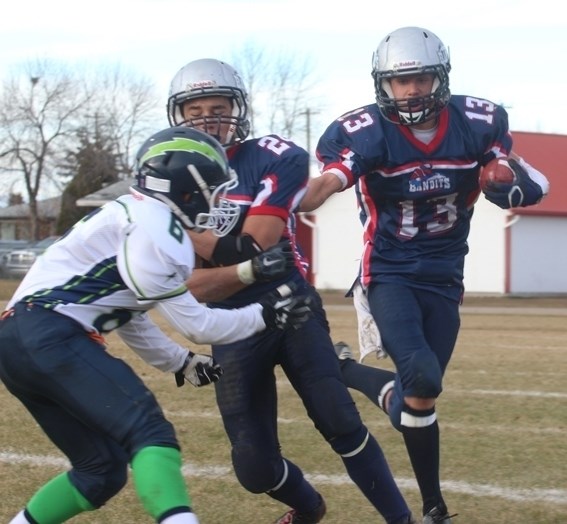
272	178
415	199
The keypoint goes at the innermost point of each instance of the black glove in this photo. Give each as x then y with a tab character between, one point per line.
272	264
199	370
282	309
520	193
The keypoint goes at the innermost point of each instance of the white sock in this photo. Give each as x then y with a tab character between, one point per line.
19	519
179	518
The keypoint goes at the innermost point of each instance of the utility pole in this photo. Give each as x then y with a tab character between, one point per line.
308	112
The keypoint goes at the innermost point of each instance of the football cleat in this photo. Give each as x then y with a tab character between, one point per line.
438	515
343	351
312	517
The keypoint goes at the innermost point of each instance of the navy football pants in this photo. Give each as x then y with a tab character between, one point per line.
247	398
93	406
419	330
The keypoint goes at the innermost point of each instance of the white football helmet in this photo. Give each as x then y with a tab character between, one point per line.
411	51
209	77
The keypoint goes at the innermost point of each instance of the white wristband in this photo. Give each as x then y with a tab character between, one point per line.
245	273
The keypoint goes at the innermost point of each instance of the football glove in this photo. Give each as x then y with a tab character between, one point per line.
522	192
272	264
199	370
282	309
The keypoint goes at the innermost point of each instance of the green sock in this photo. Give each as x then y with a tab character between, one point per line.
158	480
57	501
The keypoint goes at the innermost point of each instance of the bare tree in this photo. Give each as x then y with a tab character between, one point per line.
125	106
43	108
38	112
283	84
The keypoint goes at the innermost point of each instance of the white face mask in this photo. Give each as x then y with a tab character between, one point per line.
223	213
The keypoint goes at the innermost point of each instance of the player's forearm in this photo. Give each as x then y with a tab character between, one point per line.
213	284
318	190
203	243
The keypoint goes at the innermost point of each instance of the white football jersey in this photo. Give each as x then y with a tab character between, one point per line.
125	258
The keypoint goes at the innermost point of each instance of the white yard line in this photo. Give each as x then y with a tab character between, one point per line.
383	422
552	496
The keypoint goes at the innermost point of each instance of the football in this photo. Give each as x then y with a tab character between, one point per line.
496	172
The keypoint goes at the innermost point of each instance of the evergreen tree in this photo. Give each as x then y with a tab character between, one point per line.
94	166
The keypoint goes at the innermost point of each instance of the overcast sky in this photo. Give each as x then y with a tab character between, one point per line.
509	51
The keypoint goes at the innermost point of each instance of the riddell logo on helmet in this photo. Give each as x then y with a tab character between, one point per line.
407	63
201	84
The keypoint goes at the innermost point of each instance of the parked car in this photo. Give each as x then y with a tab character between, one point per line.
9	245
16	262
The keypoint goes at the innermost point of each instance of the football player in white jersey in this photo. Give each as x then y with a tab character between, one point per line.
105	274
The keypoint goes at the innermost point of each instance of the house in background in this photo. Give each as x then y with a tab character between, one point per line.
524	251
100	197
15	222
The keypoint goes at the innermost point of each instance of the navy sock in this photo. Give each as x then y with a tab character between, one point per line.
295	491
422	444
370	472
366	379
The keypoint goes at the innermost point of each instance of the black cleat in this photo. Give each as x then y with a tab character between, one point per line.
312	517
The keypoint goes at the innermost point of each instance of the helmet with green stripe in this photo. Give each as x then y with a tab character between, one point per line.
188	170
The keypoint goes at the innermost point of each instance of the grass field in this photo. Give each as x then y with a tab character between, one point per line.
503	418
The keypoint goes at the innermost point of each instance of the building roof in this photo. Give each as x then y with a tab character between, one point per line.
548	154
106	194
48	208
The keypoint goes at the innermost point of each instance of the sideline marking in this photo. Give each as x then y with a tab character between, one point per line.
553	496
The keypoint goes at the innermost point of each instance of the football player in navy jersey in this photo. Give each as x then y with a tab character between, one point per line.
414	158
273	173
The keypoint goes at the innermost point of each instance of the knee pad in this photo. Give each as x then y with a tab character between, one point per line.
256	471
423	380
333	410
425	376
102	482
352	443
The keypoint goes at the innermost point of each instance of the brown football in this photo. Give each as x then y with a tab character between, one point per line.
497	171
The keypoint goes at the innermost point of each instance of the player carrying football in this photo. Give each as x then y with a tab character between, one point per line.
414	158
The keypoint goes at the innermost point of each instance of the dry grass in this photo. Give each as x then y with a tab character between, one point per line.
503	418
